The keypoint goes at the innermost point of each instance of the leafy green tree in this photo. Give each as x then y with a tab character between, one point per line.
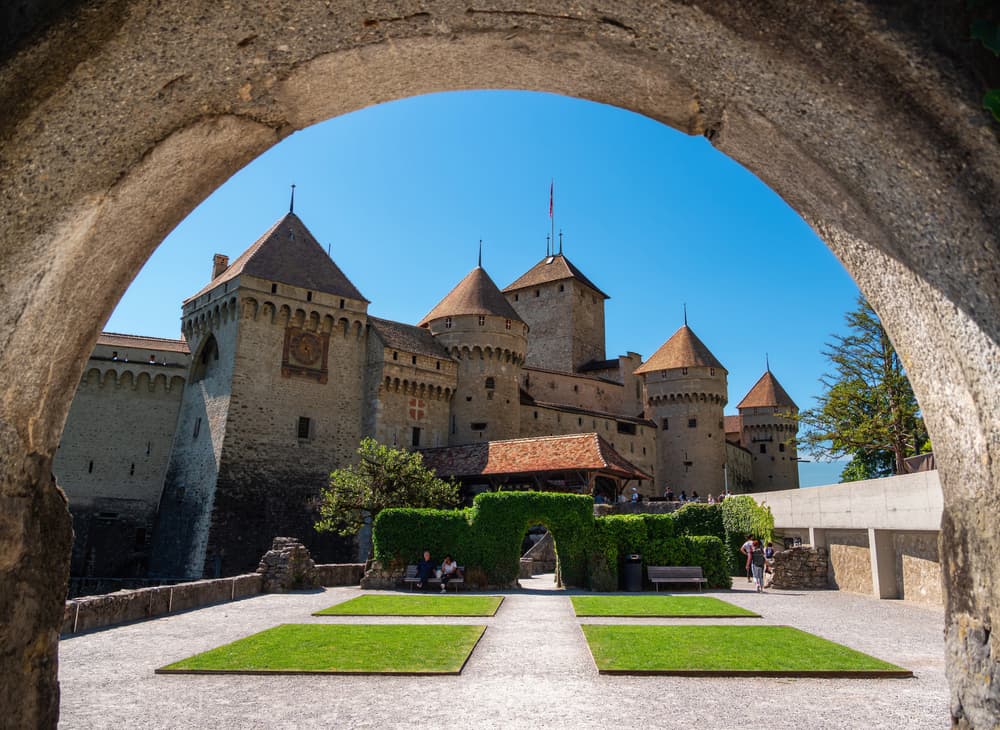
868	410
384	477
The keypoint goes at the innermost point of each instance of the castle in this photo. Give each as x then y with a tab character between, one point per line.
184	458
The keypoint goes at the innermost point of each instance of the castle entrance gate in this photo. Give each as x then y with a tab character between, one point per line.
120	116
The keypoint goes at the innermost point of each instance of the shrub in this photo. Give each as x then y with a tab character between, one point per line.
742	516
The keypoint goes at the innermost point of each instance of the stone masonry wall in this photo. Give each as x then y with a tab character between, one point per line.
850	561
801	568
918	567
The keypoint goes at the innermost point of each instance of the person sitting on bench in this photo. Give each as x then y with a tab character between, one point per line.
425	569
449	570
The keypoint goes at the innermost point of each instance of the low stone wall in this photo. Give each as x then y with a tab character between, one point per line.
918	567
92	612
850	561
801	568
340	574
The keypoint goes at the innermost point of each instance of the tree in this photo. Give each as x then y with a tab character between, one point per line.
384	477
868	410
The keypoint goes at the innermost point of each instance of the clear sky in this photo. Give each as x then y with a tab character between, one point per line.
403	192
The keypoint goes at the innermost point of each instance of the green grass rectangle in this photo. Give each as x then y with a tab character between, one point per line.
728	651
644	606
395	605
340	649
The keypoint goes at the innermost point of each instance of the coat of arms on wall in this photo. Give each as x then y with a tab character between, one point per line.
304	354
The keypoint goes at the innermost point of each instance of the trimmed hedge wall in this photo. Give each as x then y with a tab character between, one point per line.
742	516
486	538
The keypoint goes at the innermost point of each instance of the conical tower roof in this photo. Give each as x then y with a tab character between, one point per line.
288	253
682	350
767	393
475	294
549	269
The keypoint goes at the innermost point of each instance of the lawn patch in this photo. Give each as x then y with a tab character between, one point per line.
395	605
339	649
732	651
658	607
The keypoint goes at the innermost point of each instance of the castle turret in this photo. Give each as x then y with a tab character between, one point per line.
278	354
686	391
768	426
488	339
565	312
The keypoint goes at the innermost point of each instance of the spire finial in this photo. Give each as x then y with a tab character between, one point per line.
685	314
767	362
560	242
291	203
480	253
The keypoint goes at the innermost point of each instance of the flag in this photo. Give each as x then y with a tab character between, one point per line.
552	188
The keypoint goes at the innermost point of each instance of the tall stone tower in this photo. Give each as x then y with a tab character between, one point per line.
488	339
273	405
686	391
768	426
565	312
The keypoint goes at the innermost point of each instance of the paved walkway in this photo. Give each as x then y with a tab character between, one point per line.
531	669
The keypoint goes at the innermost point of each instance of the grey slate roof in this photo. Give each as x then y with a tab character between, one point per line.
408	338
288	253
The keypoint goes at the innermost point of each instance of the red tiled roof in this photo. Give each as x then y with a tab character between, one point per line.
159	344
549	269
734	424
682	350
576	452
767	392
288	253
408	338
475	294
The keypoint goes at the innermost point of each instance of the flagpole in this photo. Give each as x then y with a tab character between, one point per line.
552	217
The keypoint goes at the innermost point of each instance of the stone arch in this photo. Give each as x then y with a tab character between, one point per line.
801	120
126	379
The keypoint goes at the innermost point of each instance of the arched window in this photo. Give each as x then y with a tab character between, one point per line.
206	362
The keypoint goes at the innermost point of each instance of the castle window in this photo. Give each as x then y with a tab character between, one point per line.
536	415
692	423
684	371
711	371
537	292
395	356
304	427
309	296
781	447
576	388
274	288
413	359
763	448
197	428
515	298
579	422
454	425
478	426
447	323
341	303
437	365
415	437
90	468
628	428
508	324
131	470
149	447
490	383
482	320
643	450
562	288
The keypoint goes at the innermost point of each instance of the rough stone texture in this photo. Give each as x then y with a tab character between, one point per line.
918	567
801	568
340	574
383	577
120	116
850	561
287	566
542	555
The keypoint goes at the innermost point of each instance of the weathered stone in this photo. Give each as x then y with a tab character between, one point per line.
340	574
800	568
287	566
865	117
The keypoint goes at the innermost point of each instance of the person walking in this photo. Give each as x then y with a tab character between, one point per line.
747	548
757	561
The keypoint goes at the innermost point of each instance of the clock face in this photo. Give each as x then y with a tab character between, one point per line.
306	348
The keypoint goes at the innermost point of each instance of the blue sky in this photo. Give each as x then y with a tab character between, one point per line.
403	192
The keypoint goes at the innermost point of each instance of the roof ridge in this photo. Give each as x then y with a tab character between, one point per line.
476	293
541	273
682	349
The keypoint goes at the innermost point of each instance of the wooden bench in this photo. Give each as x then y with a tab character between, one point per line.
675	574
411	577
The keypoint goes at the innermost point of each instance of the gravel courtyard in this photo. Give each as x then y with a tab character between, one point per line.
531	669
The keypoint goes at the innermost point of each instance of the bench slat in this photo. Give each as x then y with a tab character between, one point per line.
675	574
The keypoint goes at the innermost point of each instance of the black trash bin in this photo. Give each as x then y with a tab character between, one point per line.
633	573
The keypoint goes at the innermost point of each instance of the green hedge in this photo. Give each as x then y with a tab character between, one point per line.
486	538
742	516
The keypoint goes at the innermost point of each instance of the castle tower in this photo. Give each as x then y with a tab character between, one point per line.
273	403
686	391
565	312
768	427
488	340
